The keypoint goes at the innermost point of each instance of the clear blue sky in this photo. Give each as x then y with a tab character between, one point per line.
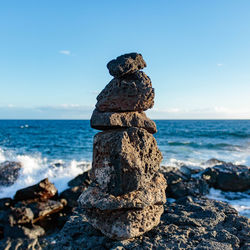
53	55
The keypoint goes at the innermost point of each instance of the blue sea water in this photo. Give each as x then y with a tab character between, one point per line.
61	149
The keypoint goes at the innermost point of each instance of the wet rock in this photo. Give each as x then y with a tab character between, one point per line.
9	172
124	160
71	195
43	190
228	177
125	224
29	244
21	215
113	120
132	93
188	223
151	194
19	231
180	184
80	180
124	64
5	203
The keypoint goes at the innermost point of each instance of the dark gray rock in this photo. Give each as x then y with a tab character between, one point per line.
9	172
5	203
124	160
113	120
20	231
80	180
189	223
20	244
228	177
43	190
132	93
124	64
152	193
180	184
21	215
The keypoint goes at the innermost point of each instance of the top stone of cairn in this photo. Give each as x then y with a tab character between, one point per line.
126	64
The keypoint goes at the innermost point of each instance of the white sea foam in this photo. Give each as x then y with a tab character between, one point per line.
35	168
239	200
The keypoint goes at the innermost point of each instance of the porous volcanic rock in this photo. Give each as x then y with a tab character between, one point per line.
151	194
132	93
125	223
9	172
127	63
113	120
228	177
188	223
43	190
124	160
181	184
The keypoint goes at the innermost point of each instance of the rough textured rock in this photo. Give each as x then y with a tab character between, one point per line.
28	244
131	93
125	224
19	231
21	215
180	184
151	194
42	190
80	180
124	64
113	120
124	160
188	223
228	177
9	172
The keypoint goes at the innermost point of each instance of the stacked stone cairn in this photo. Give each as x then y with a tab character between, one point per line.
127	195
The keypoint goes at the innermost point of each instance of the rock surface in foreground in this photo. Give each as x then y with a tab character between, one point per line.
189	223
113	120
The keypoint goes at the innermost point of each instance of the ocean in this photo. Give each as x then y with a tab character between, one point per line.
62	149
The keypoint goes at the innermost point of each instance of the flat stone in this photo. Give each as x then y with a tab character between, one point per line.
113	120
125	224
131	93
125	64
124	160
151	194
42	190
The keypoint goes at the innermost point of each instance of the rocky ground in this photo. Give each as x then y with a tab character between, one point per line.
39	218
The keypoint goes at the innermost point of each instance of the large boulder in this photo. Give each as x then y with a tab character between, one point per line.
124	160
131	93
113	120
188	223
181	184
43	190
124	64
228	177
9	172
152	193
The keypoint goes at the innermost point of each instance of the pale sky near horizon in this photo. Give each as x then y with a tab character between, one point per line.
53	56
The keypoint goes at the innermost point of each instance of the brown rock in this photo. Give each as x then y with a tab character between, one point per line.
124	160
131	93
125	64
124	224
42	190
113	120
151	194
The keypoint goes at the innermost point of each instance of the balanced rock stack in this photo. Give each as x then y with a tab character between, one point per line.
127	195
